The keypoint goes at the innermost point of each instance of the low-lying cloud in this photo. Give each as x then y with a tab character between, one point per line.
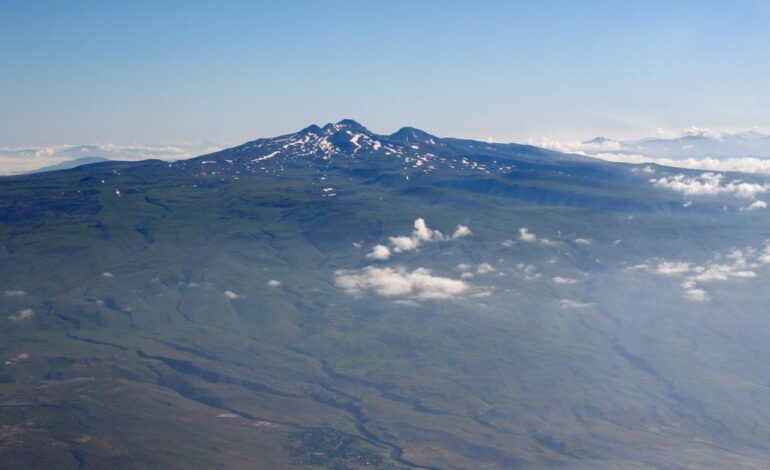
709	184
527	236
22	315
399	282
421	235
736	265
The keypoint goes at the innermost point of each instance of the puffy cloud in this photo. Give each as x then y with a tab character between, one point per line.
404	243
22	315
421	234
231	295
755	205
485	268
696	295
673	268
564	280
736	265
647	170
461	231
528	271
708	184
721	272
764	256
419	284
469	270
583	241
526	236
379	252
15	293
273	283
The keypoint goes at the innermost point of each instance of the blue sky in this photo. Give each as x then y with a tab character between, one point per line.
157	71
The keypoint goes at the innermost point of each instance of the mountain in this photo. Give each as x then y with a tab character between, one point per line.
337	298
68	164
599	140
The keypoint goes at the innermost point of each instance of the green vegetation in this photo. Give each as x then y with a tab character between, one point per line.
155	338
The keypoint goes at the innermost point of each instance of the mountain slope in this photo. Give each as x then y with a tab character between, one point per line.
66	165
234	310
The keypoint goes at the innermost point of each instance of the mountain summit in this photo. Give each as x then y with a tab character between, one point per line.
410	151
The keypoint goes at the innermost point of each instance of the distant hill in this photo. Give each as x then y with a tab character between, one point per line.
71	164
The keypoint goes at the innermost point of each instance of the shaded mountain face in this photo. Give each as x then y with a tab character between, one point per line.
336	298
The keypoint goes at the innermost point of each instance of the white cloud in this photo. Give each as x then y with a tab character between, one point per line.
528	271
420	235
721	272
423	233
469	270
755	205
673	268
733	164
107	274
22	315
273	283
231	295
709	184
462	231
764	256
583	241
635	152
379	252
696	295
485	268
419	284
735	265
404	243
15	293
526	236
508	243
564	280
